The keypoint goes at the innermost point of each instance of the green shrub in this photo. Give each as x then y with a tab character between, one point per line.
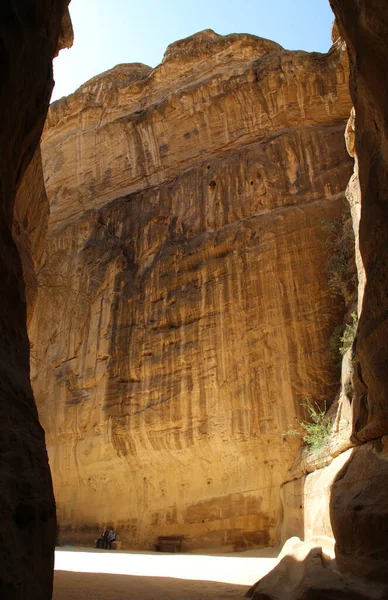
349	334
340	263
334	352
316	431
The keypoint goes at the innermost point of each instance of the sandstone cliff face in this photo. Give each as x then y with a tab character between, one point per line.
29	37
364	30
30	221
183	309
359	506
350	494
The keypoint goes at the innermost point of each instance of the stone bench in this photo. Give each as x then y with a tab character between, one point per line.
169	543
115	545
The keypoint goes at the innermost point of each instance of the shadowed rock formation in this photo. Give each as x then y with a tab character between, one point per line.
303	573
30	221
183	308
29	33
359	507
353	487
364	27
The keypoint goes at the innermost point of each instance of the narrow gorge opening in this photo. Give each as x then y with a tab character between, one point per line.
191	292
197	270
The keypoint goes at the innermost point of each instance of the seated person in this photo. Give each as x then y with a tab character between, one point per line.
100	543
111	538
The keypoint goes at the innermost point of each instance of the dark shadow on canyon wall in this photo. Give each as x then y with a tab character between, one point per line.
359	513
364	26
29	34
359	503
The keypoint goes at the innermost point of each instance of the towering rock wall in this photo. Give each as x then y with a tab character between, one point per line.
183	309
359	506
29	33
350	495
364	28
30	222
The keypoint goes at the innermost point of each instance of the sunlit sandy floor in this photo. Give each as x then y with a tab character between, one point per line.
84	575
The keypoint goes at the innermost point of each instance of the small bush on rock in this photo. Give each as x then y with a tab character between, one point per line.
340	262
316	431
349	334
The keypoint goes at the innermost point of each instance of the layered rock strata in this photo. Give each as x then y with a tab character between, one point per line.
352	499
30	221
29	33
183	308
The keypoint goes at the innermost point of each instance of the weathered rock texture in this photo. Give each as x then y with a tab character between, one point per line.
356	493
29	34
30	221
306	505
303	573
364	26
338	503
359	507
183	309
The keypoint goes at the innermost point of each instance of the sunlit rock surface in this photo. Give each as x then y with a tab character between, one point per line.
183	308
303	573
352	500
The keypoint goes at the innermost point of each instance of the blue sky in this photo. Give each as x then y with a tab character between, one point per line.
108	32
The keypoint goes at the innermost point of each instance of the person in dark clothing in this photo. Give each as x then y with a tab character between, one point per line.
111	538
100	543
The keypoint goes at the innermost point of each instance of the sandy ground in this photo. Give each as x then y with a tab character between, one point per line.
93	586
82	574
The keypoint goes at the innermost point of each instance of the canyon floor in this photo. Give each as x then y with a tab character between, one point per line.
85	574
